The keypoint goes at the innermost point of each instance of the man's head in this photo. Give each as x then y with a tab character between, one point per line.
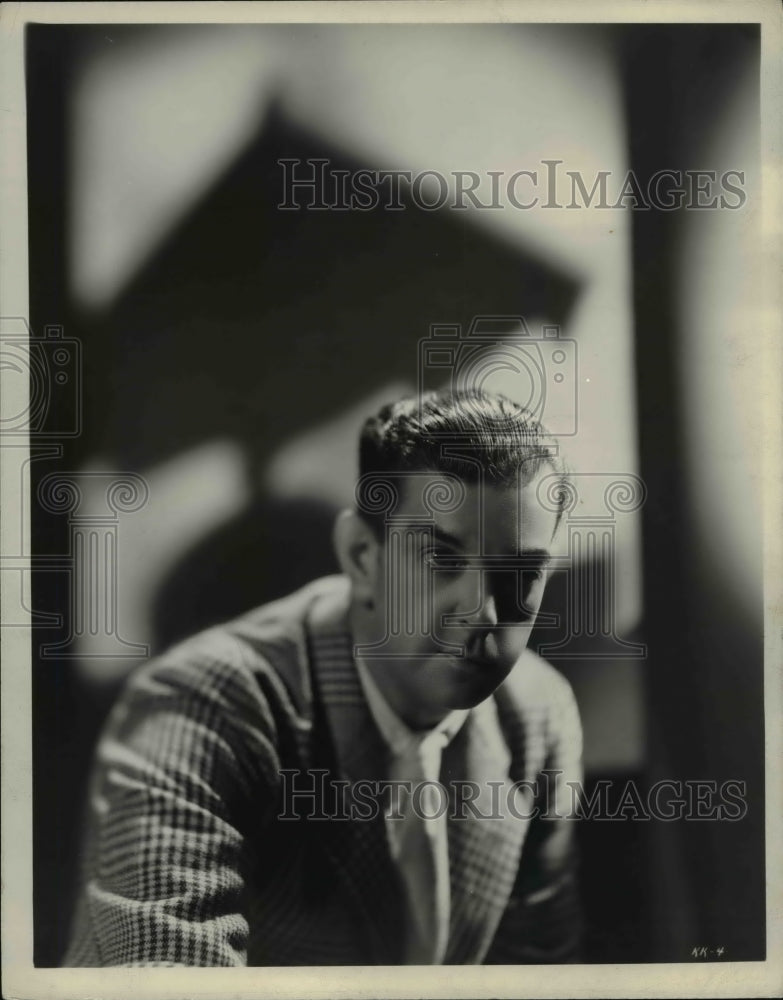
448	548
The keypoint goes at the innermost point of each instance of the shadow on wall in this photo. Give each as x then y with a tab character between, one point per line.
254	323
269	550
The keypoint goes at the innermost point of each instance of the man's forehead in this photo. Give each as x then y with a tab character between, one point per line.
445	492
501	516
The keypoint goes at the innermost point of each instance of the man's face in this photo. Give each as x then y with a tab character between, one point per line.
450	580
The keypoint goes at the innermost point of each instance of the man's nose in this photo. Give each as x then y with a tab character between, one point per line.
480	604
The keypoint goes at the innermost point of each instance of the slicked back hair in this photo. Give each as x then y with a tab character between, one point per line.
493	437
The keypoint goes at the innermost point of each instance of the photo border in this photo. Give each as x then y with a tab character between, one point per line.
20	977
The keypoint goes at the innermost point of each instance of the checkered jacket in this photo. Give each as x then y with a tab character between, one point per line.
187	861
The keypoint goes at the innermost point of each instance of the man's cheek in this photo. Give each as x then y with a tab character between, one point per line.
535	601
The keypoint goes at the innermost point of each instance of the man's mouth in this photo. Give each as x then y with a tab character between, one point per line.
483	664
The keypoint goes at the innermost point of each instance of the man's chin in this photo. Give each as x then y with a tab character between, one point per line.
471	681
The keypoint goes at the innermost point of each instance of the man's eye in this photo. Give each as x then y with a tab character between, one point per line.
445	560
530	577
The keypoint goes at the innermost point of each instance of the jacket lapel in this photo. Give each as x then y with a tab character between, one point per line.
485	838
357	847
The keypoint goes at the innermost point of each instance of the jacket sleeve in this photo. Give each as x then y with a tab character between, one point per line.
542	922
169	809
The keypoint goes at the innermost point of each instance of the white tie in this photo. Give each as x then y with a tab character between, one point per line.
420	846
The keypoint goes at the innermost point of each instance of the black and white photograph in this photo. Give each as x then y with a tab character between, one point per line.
391	538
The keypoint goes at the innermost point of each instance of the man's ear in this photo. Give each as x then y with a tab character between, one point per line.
357	548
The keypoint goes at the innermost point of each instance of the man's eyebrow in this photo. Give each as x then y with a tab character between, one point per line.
539	555
535	558
532	557
441	535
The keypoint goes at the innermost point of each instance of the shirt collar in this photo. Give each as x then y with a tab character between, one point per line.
396	734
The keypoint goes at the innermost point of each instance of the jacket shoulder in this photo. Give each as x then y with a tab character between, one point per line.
252	671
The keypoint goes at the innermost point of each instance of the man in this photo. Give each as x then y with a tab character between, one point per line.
372	770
